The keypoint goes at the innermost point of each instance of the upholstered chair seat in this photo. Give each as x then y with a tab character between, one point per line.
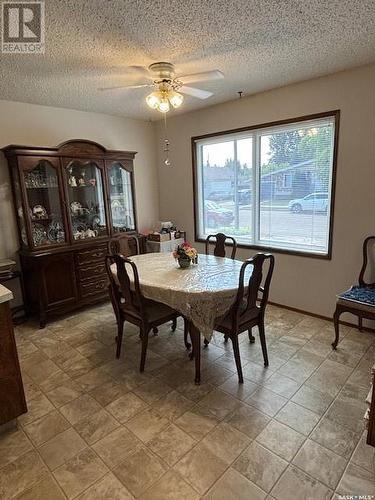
362	297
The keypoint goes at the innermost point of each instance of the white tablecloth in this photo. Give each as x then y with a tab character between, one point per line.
201	293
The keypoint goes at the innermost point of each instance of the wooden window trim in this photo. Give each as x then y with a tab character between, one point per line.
336	115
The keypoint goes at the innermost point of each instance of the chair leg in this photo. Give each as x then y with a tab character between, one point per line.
206	343
120	332
336	317
186	333
226	337
155	331
195	336
251	336
360	323
262	336
144	334
174	324
237	357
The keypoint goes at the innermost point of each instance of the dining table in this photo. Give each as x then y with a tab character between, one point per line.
202	293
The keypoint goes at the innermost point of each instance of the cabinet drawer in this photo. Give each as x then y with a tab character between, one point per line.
92	255
93	287
90	271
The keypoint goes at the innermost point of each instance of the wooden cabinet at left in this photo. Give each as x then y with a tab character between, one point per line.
12	397
70	201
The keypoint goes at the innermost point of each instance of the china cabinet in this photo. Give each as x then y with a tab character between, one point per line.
70	201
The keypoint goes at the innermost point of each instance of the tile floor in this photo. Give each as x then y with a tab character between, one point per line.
98	429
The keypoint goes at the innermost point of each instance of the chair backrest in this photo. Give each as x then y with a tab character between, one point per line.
125	244
125	293
255	283
220	241
368	245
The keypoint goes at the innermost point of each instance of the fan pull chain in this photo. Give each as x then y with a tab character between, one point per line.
167	161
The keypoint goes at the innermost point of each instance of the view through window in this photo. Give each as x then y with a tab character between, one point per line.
269	187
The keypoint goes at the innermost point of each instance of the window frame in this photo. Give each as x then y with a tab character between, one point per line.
335	114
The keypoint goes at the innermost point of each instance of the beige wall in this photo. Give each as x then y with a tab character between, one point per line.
34	125
305	283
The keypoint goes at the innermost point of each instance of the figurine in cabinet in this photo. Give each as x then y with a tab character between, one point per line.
72	181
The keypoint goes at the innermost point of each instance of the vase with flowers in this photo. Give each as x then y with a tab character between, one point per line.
185	254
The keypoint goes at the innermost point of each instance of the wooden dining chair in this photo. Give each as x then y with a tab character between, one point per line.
359	299
124	244
130	305
247	311
128	245
221	242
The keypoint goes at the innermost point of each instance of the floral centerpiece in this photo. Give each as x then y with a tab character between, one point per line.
185	254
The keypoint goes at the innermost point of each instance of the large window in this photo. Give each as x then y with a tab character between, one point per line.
269	186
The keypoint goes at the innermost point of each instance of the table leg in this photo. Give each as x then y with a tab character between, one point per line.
195	336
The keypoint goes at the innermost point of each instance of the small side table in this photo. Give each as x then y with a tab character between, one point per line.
12	275
163	246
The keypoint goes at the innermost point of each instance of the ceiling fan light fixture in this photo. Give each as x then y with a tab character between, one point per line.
176	99
153	100
168	87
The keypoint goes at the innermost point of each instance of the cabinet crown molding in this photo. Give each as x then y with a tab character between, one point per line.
76	147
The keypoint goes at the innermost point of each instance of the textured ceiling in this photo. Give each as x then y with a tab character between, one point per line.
257	44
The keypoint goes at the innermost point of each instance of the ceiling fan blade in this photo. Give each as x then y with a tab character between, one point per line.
199	93
105	89
200	77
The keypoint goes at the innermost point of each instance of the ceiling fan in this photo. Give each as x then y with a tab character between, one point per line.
168	88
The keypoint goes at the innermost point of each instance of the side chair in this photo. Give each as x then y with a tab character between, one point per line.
124	244
130	305
221	242
359	299
247	311
128	245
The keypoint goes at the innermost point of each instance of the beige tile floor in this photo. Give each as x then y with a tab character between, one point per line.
98	429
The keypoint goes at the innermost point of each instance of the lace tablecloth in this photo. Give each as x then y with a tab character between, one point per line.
201	293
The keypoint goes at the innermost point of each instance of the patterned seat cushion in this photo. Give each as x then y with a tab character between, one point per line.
360	297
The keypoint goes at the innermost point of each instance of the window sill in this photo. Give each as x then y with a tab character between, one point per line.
300	253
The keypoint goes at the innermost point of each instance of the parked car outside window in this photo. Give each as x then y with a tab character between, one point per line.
216	216
314	202
244	196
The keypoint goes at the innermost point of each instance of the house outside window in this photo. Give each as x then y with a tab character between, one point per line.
271	186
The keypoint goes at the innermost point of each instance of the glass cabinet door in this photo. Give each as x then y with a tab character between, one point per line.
19	209
121	198
41	184
86	205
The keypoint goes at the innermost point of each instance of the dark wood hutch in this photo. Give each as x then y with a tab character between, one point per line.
70	201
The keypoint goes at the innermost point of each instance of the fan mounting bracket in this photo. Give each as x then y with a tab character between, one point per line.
163	70
168	84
